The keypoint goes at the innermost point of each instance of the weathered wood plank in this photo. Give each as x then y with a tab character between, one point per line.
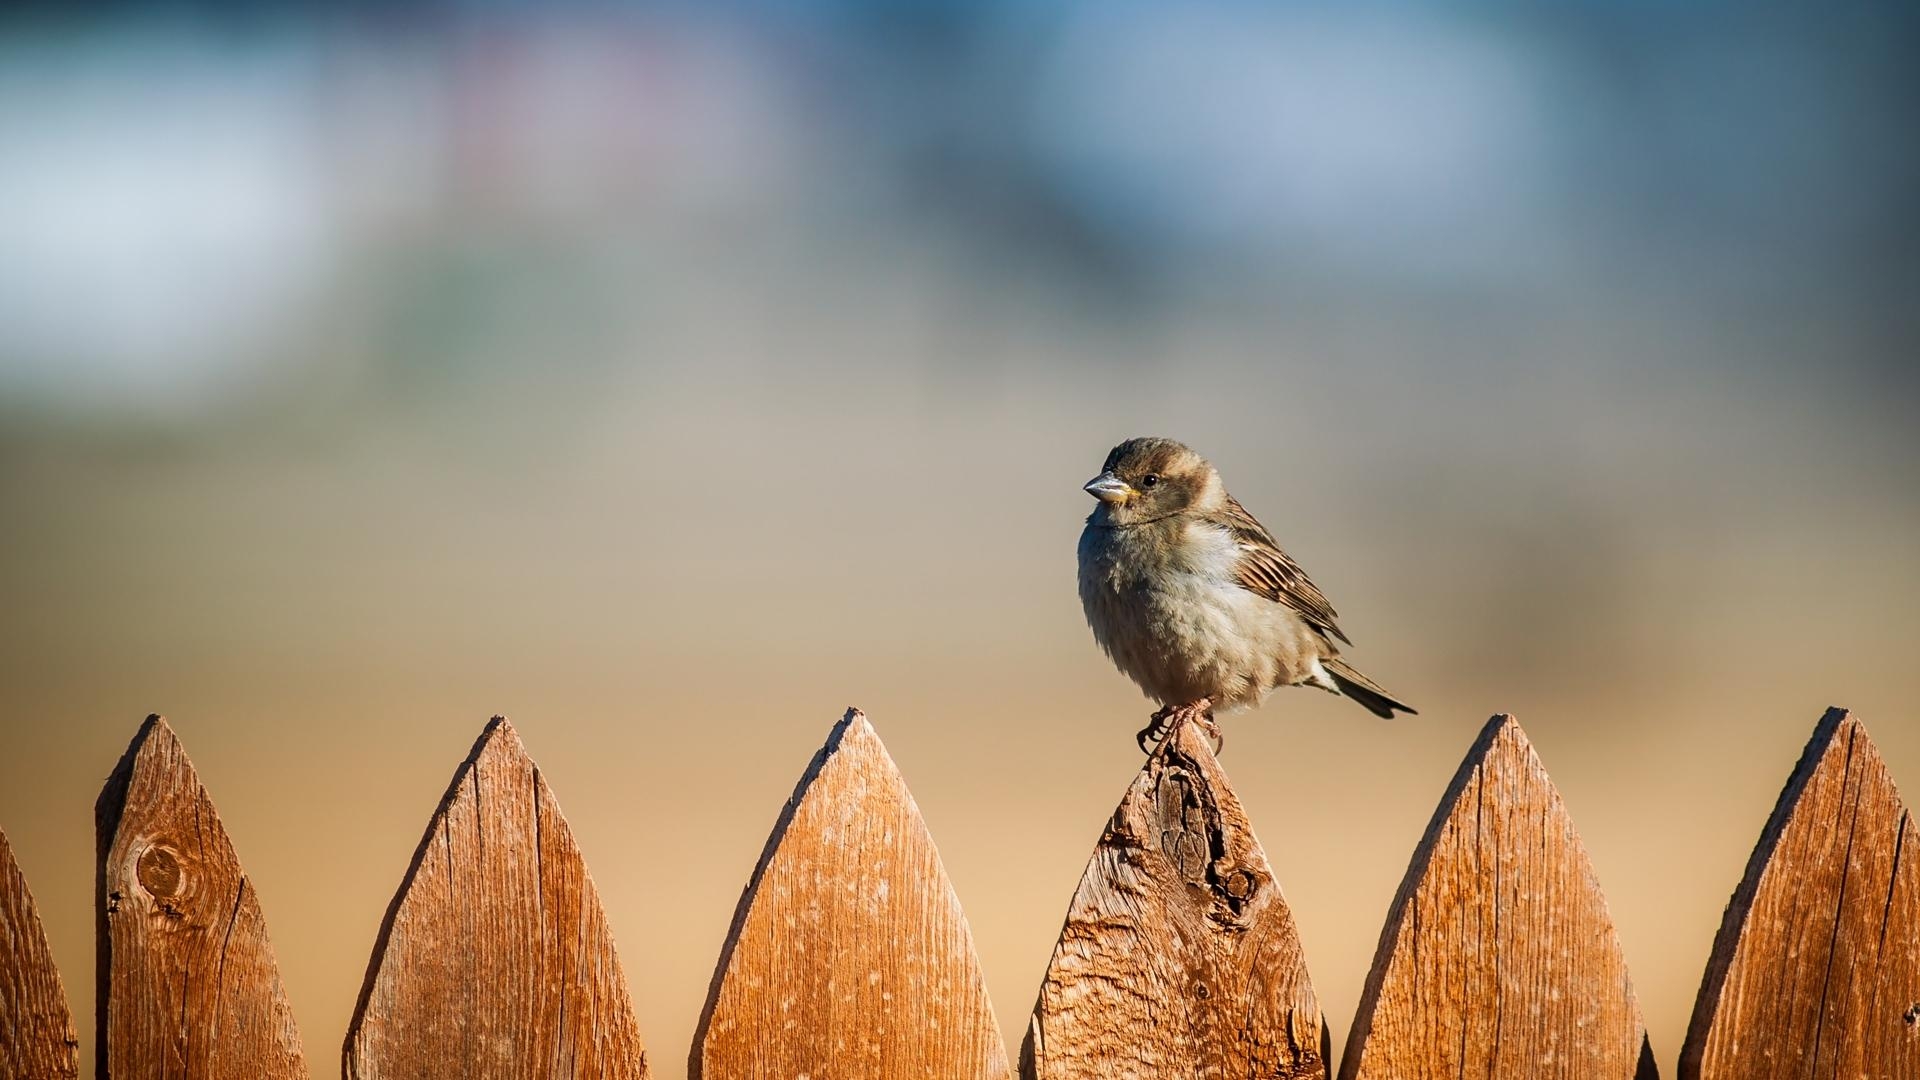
1179	957
1815	973
36	1028
1498	959
849	955
188	986
495	960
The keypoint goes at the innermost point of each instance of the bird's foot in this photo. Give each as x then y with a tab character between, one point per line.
1158	726
1168	719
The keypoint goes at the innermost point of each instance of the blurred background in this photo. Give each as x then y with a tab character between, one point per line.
671	377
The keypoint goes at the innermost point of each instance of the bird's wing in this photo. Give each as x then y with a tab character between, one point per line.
1267	571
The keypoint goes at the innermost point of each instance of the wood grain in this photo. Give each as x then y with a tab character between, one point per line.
495	960
36	1028
1498	958
1816	970
188	986
849	956
1179	957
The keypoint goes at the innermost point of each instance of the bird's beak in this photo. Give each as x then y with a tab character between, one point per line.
1109	488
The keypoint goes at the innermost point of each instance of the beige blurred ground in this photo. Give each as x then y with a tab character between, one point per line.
674	585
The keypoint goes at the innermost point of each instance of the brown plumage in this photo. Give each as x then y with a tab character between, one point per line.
1192	598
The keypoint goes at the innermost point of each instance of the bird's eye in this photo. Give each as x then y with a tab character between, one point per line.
1149	480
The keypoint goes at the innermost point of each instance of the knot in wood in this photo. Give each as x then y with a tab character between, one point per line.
1233	890
1239	885
160	872
1913	1014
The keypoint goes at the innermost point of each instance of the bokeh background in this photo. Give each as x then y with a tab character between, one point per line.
669	378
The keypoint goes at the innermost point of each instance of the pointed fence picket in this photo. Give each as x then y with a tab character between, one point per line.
189	986
1816	970
849	955
495	959
1179	955
36	1028
1498	959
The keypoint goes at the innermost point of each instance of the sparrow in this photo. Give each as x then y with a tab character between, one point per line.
1193	600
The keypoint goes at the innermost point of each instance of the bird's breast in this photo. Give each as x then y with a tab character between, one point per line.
1146	564
1169	609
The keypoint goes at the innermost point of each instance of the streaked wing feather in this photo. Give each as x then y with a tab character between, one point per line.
1267	571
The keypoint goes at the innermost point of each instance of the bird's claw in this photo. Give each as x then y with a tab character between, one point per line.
1169	718
1157	727
1212	731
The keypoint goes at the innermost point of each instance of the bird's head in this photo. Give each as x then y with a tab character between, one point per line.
1148	479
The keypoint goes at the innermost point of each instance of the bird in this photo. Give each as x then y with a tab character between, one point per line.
1193	600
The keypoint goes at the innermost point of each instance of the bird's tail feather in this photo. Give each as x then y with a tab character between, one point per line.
1371	695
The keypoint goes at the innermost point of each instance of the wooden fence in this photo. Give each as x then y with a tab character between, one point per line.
849	957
